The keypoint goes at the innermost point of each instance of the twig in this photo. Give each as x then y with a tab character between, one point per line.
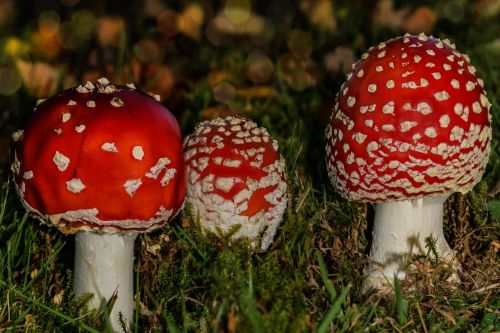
421	317
483	289
8	304
299	206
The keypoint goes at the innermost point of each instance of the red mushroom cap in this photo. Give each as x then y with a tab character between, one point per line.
235	175
103	158
411	121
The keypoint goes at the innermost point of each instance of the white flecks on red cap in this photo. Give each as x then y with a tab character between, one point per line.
138	153
61	161
155	170
79	128
82	90
89	86
91	104
116	102
442	95
65	117
236	177
167	177
75	185
411	128
103	81
132	185
28	174
110	147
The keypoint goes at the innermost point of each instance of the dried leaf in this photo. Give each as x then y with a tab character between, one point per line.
422	20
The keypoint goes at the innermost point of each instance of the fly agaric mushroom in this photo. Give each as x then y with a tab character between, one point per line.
104	162
411	126
236	177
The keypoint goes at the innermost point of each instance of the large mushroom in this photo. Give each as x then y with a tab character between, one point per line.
104	162
236	179
411	126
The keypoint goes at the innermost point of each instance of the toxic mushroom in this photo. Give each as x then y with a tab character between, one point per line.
236	177
104	162
411	125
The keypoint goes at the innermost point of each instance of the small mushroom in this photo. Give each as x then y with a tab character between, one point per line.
411	126
107	175
236	177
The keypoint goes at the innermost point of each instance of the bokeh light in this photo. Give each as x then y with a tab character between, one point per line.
10	81
110	30
320	13
294	72
238	11
340	60
77	32
259	67
6	12
224	92
266	33
148	51
300	43
15	47
168	23
45	39
454	11
84	22
39	79
191	20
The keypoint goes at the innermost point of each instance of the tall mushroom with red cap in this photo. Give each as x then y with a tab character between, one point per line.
104	162
236	178
411	126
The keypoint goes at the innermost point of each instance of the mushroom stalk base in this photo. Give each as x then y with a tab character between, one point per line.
400	229
103	266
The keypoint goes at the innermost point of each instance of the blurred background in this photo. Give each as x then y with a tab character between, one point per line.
209	58
279	63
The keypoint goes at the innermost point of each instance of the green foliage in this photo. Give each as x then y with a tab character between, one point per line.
334	312
401	304
494	208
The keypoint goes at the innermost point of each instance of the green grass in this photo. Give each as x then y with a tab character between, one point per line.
310	279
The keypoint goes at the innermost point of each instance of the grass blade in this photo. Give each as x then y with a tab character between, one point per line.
324	276
401	304
48	308
248	303
334	310
170	323
179	230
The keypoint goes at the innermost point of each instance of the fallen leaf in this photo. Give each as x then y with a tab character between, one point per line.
320	13
423	19
384	14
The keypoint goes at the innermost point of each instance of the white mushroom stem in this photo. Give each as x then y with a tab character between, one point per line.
103	266
401	228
